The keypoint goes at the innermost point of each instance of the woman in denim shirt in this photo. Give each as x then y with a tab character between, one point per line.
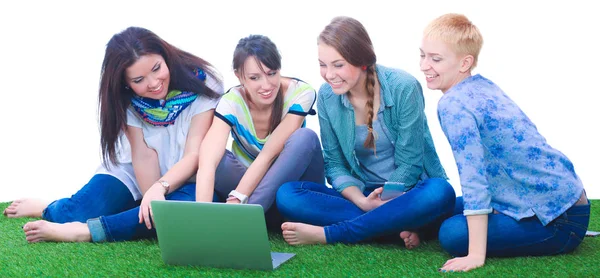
521	197
374	132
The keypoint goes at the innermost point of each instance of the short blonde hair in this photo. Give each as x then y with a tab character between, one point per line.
459	32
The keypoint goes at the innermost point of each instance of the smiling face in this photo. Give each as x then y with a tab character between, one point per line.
337	72
149	77
443	67
260	82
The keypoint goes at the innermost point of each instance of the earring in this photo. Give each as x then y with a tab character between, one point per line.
127	88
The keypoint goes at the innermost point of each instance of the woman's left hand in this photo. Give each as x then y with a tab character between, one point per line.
156	192
463	263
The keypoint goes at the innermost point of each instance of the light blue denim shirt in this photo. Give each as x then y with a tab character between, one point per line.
404	121
503	161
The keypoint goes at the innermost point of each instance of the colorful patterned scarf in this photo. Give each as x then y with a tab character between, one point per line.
164	112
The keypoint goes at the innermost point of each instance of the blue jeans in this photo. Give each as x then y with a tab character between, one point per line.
102	195
109	209
125	225
508	237
300	159
428	202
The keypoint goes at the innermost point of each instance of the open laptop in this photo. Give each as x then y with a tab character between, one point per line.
215	235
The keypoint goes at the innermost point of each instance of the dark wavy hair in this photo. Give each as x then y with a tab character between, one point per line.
114	97
264	51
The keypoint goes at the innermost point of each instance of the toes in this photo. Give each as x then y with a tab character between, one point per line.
289	234
33	225
288	226
405	234
34	238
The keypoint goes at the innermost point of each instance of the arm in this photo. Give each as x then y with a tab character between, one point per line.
355	195
188	165
182	170
477	225
460	127
143	158
410	139
212	150
269	153
337	169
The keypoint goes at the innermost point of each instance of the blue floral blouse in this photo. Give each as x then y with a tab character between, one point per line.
503	161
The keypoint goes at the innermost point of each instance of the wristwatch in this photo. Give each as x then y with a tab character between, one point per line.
243	198
165	185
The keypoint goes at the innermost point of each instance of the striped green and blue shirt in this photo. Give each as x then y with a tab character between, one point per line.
299	99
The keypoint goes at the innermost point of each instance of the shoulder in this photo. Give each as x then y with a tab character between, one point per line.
233	94
298	87
214	84
398	86
392	80
471	90
231	101
326	93
395	77
474	85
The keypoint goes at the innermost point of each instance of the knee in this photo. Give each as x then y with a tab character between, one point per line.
287	190
287	196
454	236
305	136
444	192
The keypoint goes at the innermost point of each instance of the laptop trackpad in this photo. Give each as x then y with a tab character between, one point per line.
279	258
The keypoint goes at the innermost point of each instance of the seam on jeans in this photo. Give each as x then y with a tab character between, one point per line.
575	215
327	235
324	194
574	224
109	236
572	236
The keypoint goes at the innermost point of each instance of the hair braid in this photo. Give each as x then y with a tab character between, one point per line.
370	86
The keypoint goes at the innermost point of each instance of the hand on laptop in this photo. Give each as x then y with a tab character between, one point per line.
154	193
233	200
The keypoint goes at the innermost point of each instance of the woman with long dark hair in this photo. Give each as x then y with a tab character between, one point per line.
265	116
156	103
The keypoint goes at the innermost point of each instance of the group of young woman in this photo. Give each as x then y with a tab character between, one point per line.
165	123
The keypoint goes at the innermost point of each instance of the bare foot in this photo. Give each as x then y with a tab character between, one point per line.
300	233
43	230
26	208
411	239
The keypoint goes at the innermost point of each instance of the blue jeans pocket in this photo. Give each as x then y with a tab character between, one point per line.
573	224
572	243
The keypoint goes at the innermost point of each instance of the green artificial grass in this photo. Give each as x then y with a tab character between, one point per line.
142	259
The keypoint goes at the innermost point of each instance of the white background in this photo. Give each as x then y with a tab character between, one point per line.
544	55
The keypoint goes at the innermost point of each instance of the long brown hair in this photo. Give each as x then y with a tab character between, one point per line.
122	51
350	38
264	51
